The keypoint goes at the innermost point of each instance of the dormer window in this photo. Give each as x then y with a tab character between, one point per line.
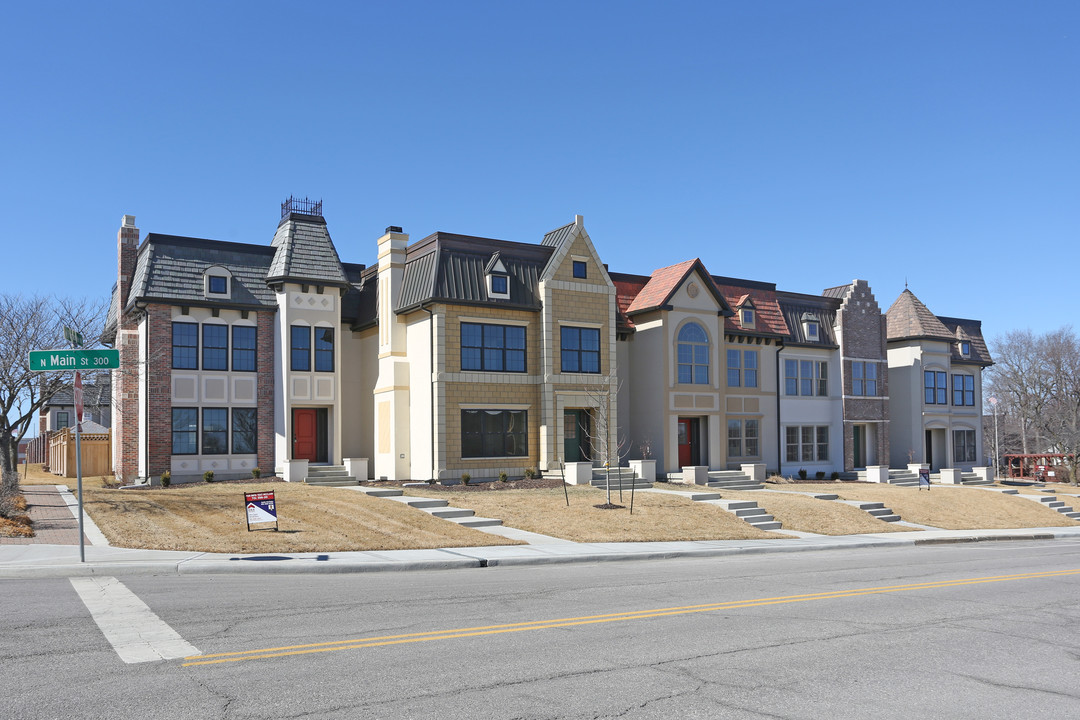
811	330
811	327
498	279
216	282
965	349
746	317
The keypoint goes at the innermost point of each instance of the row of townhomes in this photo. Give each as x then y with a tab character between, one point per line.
462	354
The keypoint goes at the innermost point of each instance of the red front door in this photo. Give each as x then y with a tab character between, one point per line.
305	443
685	454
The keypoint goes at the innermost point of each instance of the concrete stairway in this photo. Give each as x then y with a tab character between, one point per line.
1060	506
901	476
877	509
620	478
441	509
749	511
329	476
732	480
973	479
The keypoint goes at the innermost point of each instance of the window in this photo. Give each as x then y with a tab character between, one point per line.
217	284
963	446
746	316
494	433
806	377
742	368
215	431
742	438
806	443
579	269
215	347
864	378
496	348
300	339
185	346
324	349
580	350
935	385
62	420
244	435
500	284
185	431
243	348
693	355
812	330
965	349
963	390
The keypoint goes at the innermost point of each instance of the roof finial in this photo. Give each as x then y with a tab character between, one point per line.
905	282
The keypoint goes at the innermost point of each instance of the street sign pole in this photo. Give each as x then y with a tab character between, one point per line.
78	458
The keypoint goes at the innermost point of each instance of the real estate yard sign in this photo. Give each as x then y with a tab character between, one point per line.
261	508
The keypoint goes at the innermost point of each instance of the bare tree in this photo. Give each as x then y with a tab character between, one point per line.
1037	379
35	323
608	446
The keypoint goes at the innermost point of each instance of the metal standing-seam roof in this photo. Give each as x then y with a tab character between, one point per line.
796	306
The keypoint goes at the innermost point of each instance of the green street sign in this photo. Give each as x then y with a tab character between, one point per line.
42	360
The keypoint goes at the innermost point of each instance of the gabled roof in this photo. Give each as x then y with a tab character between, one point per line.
796	306
556	236
305	253
95	394
908	318
664	282
769	320
627	288
968	331
451	268
170	268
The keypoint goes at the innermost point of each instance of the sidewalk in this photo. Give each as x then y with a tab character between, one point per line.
58	556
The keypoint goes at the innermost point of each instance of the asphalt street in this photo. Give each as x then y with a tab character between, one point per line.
988	630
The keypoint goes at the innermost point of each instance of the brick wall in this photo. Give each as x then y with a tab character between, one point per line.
264	364
863	333
126	379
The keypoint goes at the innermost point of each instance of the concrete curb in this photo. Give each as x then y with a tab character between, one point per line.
55	561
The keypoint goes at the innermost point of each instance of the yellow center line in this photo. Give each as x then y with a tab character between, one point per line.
357	643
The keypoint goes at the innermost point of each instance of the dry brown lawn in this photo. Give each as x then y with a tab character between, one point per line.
211	518
825	517
949	508
656	518
34	475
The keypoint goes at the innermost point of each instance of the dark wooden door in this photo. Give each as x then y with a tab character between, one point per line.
686	449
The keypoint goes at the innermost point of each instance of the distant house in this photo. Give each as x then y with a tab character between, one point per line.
59	411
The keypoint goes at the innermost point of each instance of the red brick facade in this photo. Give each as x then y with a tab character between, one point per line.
126	380
159	389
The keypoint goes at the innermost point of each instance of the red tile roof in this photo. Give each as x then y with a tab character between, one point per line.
661	285
769	319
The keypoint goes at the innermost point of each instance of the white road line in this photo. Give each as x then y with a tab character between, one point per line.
136	633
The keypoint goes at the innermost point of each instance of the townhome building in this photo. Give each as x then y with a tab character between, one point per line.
935	372
460	354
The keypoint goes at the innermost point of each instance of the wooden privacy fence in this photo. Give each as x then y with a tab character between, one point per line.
96	453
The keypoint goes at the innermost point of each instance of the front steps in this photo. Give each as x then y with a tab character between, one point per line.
1060	506
878	510
441	509
330	476
620	479
748	511
732	480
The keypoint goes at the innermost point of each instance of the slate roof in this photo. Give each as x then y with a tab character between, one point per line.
304	252
768	321
170	268
446	267
908	318
970	331
96	394
795	306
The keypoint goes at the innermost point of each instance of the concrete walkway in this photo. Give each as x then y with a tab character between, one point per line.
58	554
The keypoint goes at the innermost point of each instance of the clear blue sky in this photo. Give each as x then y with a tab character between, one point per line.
802	143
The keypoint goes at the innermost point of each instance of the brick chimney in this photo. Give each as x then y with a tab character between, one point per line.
125	381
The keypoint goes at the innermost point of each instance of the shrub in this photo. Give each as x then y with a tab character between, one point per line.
208	476
802	473
503	477
778	479
166	479
835	476
819	475
465	478
530	473
256	473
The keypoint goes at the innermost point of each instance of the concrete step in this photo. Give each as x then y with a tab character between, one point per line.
451	512
1055	504
868	506
1073	515
745	513
825	496
878	512
475	521
888	518
727	474
774	525
318	470
735	484
332	481
382	492
698	497
420	502
733	505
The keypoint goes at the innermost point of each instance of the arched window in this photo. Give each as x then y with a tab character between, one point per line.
693	349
